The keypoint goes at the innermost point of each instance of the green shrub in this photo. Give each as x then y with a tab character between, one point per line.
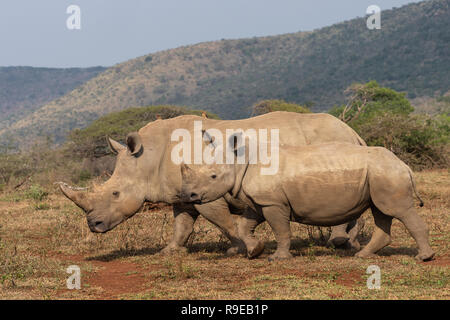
383	117
36	192
369	100
421	141
267	106
84	175
41	206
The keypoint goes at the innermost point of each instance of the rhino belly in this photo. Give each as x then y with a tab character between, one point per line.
328	198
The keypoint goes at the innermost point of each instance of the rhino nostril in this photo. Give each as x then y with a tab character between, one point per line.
98	223
194	195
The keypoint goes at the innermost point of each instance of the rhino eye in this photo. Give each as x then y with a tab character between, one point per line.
116	193
213	176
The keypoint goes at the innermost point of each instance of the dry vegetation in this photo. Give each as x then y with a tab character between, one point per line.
41	235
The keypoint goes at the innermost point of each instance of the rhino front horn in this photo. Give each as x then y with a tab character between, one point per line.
78	197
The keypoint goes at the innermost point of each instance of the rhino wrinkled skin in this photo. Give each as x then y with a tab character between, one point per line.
144	171
323	185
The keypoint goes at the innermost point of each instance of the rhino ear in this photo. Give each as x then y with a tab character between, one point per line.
208	138
115	146
234	141
134	144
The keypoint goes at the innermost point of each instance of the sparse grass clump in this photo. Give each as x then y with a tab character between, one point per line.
36	192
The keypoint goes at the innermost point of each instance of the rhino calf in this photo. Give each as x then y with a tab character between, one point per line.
322	185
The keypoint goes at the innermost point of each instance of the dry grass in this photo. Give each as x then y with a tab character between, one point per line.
40	239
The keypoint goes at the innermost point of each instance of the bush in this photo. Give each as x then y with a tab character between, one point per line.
17	167
36	192
382	117
84	175
42	206
420	141
267	106
366	101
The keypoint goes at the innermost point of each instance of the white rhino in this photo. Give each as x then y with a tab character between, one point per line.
145	172
323	185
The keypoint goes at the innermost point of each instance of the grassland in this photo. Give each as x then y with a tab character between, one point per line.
40	236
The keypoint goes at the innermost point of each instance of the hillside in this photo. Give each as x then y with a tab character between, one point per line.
410	53
25	89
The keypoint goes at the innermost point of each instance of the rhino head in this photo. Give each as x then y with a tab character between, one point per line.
121	196
202	184
207	182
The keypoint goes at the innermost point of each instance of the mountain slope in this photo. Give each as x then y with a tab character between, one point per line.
25	89
410	53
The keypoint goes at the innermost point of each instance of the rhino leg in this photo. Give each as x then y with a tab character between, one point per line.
279	220
339	236
354	232
345	235
246	226
419	231
218	213
185	216
381	236
393	196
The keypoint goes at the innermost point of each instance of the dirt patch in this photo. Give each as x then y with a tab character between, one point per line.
349	279
335	295
299	273
114	278
438	261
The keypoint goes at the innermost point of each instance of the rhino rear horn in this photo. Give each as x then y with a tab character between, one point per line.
186	171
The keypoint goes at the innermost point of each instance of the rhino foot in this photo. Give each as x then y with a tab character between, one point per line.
171	250
280	256
236	250
354	245
365	254
256	251
338	242
425	256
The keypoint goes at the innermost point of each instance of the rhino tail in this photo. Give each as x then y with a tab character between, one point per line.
414	187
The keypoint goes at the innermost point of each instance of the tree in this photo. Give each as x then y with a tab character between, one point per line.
383	117
366	101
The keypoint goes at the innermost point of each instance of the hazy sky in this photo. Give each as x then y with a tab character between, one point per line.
34	32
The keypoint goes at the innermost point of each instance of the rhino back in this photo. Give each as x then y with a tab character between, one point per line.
294	130
322	184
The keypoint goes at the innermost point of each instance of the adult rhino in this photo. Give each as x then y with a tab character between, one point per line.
144	171
322	185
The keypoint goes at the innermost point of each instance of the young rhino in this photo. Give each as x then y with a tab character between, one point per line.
321	185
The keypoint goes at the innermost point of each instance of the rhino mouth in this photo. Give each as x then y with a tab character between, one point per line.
192	197
98	227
